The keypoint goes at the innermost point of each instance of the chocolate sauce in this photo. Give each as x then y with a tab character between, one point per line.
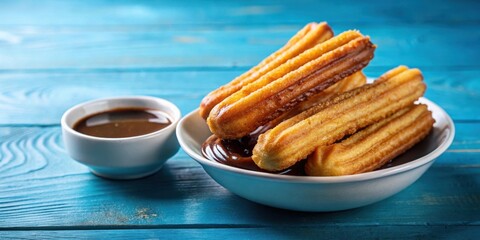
238	153
123	122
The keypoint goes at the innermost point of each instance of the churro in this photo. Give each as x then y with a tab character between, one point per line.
374	146
324	124
311	35
353	81
286	86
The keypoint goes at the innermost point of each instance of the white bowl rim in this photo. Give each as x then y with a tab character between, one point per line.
326	179
175	119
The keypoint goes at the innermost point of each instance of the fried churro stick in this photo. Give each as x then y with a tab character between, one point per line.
289	84
374	146
353	81
311	35
294	139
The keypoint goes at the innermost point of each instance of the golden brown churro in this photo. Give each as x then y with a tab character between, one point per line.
311	35
289	84
353	81
294	139
374	146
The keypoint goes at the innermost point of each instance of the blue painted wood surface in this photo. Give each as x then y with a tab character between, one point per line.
54	54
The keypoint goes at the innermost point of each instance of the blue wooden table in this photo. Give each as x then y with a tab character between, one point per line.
54	54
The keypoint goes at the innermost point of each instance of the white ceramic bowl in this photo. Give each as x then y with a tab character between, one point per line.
121	158
306	193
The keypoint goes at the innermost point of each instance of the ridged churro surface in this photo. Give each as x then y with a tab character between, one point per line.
374	146
311	35
353	81
294	139
286	86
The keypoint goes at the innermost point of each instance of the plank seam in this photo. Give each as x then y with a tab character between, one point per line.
220	226
219	25
205	69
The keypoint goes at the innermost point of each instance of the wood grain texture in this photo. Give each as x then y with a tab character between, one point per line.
42	97
131	12
41	187
39	47
285	232
54	54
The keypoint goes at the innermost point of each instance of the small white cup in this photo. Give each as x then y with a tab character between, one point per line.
121	158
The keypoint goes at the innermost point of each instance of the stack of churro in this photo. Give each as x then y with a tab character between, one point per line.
311	102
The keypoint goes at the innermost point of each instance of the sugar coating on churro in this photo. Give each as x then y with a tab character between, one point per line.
289	84
295	138
353	81
311	35
374	146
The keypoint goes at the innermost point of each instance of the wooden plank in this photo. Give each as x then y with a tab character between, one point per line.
42	97
286	232
128	12
38	47
41	187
